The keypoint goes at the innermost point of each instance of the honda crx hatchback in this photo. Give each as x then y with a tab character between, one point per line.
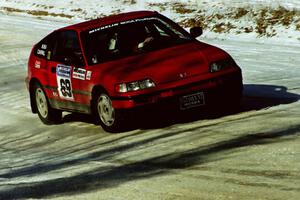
109	65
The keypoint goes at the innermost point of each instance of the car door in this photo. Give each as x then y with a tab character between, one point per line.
67	69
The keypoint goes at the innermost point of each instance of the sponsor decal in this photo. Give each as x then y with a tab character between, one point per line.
44	46
63	71
122	23
63	76
104	27
88	75
37	64
41	52
79	73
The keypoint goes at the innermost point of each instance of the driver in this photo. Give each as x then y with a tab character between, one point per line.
145	42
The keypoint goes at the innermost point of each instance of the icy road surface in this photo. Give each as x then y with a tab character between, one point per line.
252	154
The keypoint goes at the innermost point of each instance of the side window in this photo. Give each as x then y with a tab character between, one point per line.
160	31
101	46
44	47
67	50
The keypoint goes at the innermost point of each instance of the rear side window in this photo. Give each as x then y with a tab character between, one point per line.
67	49
43	48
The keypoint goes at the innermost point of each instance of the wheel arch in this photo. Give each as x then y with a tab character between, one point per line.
33	82
97	89
119	116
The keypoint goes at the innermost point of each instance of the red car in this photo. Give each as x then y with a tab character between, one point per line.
109	65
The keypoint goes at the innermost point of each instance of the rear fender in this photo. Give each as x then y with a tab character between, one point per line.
32	82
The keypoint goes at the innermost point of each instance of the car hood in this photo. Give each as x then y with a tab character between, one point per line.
165	65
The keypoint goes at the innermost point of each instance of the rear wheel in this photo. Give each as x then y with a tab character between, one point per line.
47	114
110	118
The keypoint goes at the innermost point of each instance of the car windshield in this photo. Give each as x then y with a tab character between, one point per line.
131	38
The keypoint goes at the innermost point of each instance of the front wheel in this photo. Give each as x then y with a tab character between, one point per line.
47	114
109	117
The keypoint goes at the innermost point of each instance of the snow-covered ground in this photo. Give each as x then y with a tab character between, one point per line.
251	154
260	20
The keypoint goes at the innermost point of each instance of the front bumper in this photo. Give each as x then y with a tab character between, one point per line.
225	87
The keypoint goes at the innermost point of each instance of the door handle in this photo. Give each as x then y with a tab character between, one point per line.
53	69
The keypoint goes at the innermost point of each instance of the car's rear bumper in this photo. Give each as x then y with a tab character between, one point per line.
27	82
221	88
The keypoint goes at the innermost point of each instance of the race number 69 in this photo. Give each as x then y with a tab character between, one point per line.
65	87
63	76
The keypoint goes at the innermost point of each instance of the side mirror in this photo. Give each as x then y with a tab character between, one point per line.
196	31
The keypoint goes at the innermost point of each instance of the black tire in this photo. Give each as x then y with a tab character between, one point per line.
47	114
110	119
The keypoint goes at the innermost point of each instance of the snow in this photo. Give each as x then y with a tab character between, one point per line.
247	155
81	10
244	3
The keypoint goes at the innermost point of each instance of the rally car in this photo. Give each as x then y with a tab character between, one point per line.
107	66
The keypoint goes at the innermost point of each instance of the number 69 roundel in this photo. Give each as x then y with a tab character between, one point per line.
63	76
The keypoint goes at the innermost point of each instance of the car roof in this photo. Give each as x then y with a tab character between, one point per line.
109	20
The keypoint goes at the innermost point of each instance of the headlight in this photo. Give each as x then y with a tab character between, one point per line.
221	64
135	85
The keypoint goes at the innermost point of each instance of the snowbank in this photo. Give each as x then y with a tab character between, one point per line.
261	20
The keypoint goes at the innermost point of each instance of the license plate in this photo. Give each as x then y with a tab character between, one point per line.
192	100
